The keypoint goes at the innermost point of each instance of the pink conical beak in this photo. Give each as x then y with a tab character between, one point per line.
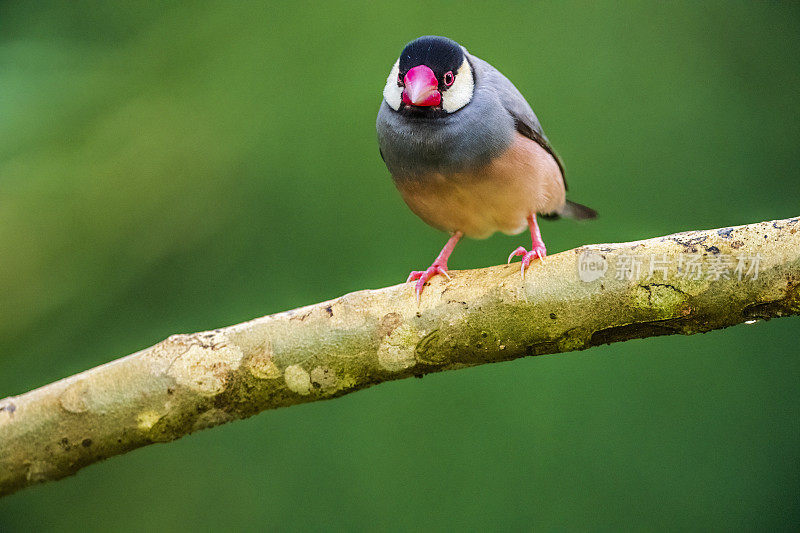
422	88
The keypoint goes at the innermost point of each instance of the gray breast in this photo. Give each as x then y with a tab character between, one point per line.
413	146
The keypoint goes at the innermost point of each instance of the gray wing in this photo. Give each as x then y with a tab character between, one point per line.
524	118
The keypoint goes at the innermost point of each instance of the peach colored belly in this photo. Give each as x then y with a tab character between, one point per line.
499	196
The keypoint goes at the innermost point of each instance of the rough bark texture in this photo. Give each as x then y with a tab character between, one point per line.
192	382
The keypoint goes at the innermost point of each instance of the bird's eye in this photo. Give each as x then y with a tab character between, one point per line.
400	79
449	78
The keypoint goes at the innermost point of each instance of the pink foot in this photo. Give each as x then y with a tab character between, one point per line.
425	275
538	252
439	266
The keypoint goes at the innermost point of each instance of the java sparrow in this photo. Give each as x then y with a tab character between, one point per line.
466	151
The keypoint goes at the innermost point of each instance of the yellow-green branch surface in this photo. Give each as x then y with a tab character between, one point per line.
685	283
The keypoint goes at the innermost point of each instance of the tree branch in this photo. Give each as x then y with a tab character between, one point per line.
687	283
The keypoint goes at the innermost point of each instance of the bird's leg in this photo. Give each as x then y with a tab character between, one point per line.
538	250
439	265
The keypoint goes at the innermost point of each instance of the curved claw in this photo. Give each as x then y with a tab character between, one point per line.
538	252
415	274
518	251
423	276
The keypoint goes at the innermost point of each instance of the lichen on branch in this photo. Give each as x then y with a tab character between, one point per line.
685	283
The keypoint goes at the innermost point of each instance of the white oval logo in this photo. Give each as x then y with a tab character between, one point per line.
591	266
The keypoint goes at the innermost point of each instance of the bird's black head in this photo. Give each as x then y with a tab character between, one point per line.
431	77
439	54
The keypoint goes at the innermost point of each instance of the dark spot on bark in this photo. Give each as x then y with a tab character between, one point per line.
634	331
689	240
776	226
419	315
64	443
9	407
725	233
737	244
668	285
315	385
484	334
419	376
713	249
553	316
86	443
784	306
541	348
170	390
302	317
686	239
329	310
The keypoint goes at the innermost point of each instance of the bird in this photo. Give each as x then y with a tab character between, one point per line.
466	151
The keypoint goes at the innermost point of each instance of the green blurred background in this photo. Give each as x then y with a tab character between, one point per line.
181	166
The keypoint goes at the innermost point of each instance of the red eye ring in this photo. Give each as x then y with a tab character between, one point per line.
449	78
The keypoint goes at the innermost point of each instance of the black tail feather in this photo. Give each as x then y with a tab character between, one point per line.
573	210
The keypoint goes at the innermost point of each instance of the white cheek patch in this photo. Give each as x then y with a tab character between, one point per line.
460	93
392	93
